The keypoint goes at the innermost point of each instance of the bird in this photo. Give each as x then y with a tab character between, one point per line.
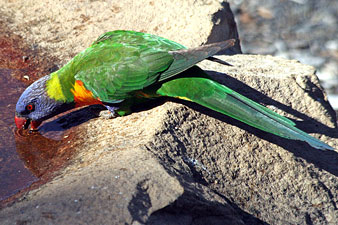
122	68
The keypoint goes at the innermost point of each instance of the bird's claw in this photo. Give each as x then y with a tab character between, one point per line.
106	114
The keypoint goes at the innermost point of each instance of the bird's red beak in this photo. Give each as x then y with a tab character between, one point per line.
20	122
23	123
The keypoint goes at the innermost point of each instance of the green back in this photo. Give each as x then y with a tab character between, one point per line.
120	62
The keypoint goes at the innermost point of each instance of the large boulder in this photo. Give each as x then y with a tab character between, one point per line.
64	28
179	163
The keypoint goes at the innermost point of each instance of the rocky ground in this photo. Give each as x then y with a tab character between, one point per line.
305	30
179	163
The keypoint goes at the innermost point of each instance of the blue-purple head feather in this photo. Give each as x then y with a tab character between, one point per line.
35	106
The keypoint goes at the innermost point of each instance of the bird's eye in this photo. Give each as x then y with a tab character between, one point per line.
30	107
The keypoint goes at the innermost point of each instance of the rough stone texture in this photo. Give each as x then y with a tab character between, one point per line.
183	164
277	180
115	180
67	27
179	163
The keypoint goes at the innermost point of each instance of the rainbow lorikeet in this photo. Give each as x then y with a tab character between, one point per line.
122	68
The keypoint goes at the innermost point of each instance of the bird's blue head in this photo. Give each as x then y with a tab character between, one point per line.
34	105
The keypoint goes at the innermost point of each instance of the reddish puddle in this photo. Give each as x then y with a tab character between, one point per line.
13	174
26	159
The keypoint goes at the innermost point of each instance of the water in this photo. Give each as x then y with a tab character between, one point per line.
27	160
26	157
13	173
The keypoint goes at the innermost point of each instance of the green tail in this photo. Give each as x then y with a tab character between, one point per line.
222	99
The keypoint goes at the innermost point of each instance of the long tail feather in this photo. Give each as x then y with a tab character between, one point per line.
222	99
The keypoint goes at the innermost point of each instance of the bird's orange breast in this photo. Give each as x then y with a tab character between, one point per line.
82	96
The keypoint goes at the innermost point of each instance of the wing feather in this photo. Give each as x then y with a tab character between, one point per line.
121	62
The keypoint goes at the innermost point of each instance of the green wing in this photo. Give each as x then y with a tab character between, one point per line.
184	59
121	62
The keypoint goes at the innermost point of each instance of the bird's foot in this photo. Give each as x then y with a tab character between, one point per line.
110	113
106	114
